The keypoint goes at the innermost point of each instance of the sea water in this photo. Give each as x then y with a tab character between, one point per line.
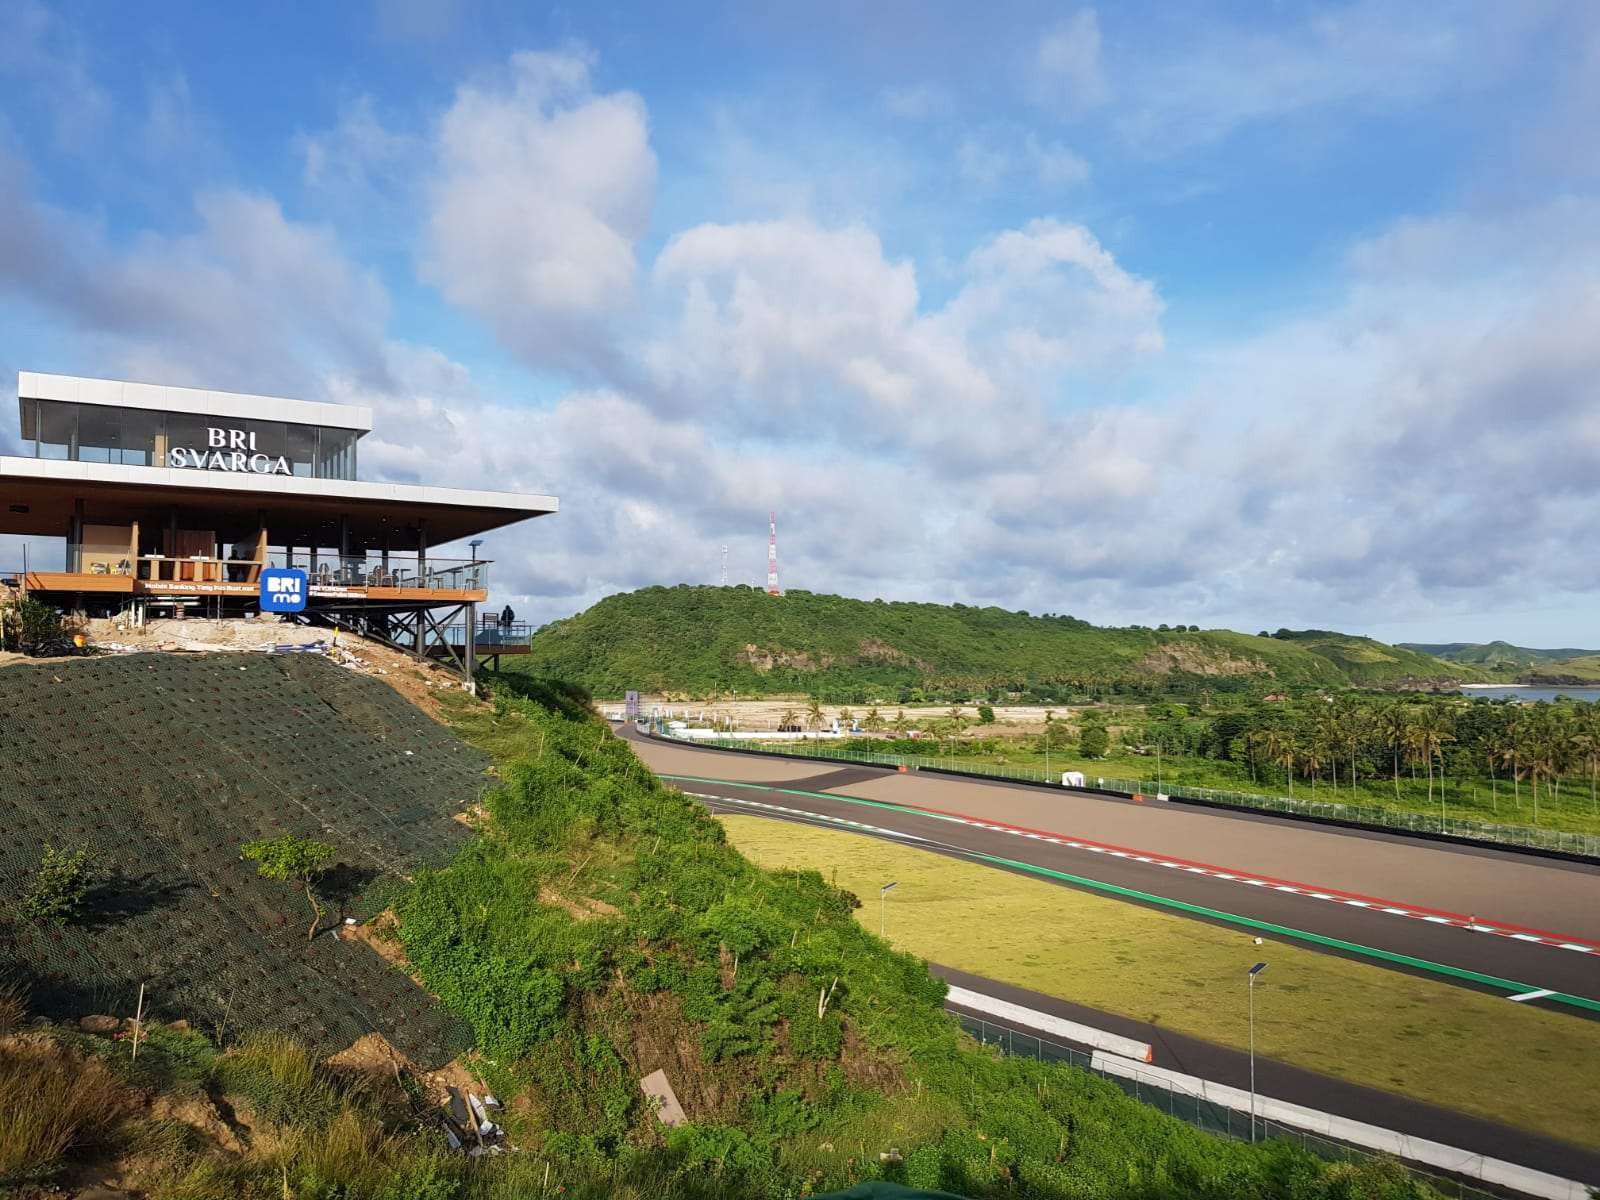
1529	694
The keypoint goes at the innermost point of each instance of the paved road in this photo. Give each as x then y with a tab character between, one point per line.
1554	898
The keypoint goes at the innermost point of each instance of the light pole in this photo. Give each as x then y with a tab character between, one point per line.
1254	971
883	904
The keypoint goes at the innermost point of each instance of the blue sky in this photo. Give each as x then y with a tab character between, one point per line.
1233	314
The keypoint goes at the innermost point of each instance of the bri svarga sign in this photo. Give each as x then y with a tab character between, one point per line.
229	450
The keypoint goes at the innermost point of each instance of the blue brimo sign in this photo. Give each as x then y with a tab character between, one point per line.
283	590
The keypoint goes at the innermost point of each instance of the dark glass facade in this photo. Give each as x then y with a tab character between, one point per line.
138	437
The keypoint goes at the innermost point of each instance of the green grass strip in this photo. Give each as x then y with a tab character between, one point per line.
1510	986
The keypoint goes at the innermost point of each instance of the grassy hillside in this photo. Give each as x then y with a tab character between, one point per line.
161	766
1583	670
1497	657
599	928
1369	663
699	639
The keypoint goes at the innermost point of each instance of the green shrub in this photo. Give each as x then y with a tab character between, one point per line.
30	626
59	886
1094	741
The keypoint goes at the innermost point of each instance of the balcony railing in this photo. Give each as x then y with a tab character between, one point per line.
431	575
491	633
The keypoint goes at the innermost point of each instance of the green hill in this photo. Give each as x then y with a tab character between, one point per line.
1580	670
1370	663
700	639
1495	656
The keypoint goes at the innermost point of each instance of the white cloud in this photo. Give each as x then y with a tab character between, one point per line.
1208	79
1066	76
1056	165
544	189
40	50
247	299
808	333
359	154
996	158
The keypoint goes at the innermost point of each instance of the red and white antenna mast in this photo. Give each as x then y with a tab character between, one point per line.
772	555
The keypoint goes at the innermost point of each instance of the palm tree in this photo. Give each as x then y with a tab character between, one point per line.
1048	739
1541	765
1312	757
1396	729
814	714
1255	742
1329	730
1429	736
789	719
957	718
1354	723
1495	755
900	722
1518	733
873	721
845	717
1587	742
1280	750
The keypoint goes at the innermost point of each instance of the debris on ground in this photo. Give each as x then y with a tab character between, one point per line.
659	1092
419	681
468	1126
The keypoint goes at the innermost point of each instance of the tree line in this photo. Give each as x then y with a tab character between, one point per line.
1343	741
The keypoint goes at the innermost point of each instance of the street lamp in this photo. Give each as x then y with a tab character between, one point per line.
1254	971
883	902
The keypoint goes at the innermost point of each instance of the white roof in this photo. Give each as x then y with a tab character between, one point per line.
116	393
244	483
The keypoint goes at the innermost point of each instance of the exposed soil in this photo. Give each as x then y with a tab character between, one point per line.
1181	657
382	936
763	715
196	1110
584	908
377	1065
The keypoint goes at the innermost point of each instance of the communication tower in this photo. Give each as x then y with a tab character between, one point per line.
772	555
724	564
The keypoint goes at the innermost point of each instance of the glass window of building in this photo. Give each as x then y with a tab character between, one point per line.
186	432
300	448
143	438
336	454
99	434
58	429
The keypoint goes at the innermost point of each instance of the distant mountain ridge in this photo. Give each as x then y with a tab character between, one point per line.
1517	664
1485	653
724	639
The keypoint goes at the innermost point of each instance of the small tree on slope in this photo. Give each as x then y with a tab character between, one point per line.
293	860
59	886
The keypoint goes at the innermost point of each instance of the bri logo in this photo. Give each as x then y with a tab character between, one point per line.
283	590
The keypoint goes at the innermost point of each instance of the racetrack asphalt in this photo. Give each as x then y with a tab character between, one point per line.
1554	899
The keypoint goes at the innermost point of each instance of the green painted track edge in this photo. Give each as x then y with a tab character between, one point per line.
1510	986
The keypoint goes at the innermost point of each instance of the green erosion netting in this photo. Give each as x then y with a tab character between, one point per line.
162	766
